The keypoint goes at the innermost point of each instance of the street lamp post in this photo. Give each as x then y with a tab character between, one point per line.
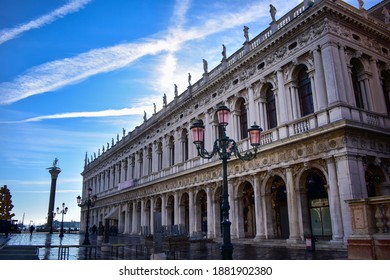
89	202
225	147
63	212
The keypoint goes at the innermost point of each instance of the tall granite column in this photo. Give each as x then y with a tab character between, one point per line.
54	171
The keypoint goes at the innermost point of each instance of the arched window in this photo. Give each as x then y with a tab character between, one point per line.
184	138
150	160
305	93
141	164
243	119
271	108
171	147
119	172
132	167
357	83
159	156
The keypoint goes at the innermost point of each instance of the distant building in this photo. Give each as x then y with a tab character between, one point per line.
67	225
318	82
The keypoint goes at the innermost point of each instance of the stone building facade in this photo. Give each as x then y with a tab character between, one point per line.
318	83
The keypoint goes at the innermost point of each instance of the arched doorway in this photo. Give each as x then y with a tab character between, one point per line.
318	203
157	222
280	222
248	214
201	213
147	230
170	211
184	214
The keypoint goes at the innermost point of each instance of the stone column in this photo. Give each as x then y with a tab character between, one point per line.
378	96
142	214
259	215
262	113
165	152
128	170
350	171
252	111
346	76
314	90
319	79
127	220
106	179
111	178
210	216
178	152
294	102
134	220
176	208
292	207
152	215
332	68
208	133
145	162
334	202
281	99
54	172
192	152
163	210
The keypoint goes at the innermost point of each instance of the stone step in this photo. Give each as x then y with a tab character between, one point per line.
19	253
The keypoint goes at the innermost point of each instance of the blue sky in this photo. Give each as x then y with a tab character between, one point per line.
74	73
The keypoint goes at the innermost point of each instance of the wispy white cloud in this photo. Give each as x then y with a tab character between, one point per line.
71	7
54	75
95	114
57	74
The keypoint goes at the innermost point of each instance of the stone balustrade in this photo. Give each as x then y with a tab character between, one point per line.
370	219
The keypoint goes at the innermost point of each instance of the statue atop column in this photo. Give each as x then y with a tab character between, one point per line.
54	171
189	79
55	163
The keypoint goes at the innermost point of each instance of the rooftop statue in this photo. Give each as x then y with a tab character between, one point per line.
165	99
272	11
223	52
176	91
205	66
246	34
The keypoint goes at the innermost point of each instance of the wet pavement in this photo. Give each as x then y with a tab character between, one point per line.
52	247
